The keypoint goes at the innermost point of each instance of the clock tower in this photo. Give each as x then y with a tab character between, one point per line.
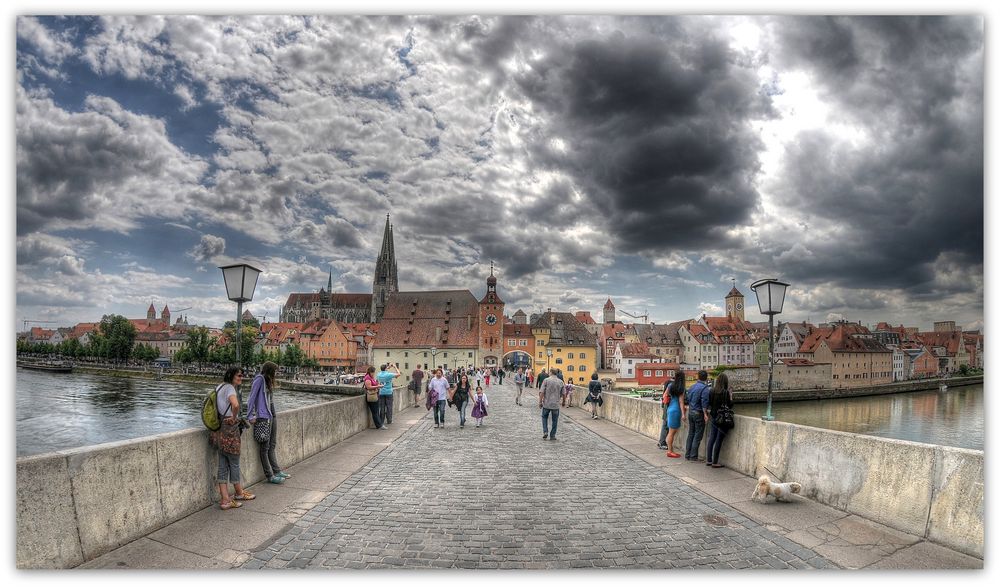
734	303
490	324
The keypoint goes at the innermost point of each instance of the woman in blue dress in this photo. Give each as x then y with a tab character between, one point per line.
675	411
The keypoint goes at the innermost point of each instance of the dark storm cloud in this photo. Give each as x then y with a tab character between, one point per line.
656	132
913	193
342	233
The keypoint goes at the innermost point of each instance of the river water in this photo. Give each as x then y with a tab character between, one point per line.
956	417
60	411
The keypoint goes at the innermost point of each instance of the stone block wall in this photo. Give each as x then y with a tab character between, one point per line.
75	505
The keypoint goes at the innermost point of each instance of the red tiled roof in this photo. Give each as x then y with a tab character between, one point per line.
729	330
614	330
608	305
517	330
843	337
336	299
565	329
796	362
949	340
413	319
734	292
673	366
636	349
585	318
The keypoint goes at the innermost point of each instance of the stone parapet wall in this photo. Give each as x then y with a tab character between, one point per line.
75	505
931	491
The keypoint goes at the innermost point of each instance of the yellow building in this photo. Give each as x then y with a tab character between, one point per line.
573	347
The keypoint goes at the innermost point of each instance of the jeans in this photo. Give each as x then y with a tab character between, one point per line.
520	390
385	408
715	438
696	421
663	429
229	468
268	460
439	409
545	421
461	412
376	418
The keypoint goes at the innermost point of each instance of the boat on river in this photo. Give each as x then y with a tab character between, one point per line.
51	367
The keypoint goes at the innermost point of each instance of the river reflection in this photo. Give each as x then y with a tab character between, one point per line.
952	418
60	411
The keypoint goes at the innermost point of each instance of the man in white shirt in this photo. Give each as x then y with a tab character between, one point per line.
439	387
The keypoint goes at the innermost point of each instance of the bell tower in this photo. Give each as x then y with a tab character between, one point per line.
490	324
734	303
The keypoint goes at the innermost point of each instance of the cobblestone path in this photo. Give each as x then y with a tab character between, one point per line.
501	497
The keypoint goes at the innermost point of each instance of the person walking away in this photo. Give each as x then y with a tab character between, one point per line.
541	378
594	390
417	378
721	395
519	380
372	389
500	375
461	397
480	377
529	378
438	397
674	411
665	402
548	400
479	410
697	415
228	403
263	417
384	379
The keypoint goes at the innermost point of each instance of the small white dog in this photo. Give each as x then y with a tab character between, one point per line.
780	491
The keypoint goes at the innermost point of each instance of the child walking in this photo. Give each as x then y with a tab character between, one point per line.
479	409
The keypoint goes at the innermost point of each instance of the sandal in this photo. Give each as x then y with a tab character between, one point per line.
245	496
673	455
232	503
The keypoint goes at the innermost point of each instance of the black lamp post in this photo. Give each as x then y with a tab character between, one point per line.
770	299
241	281
548	360
434	352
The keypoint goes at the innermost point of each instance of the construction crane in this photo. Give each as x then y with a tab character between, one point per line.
644	316
26	322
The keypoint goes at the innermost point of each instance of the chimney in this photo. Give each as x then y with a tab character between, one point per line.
437	334
469	317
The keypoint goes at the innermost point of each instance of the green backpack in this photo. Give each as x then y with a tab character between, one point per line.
210	411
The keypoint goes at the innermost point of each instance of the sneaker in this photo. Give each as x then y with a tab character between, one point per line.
552	438
661	446
283	475
545	437
461	425
276	480
384	427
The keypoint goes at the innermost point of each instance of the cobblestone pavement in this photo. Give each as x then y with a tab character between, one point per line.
501	497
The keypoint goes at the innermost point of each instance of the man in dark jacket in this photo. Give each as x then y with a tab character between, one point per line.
697	400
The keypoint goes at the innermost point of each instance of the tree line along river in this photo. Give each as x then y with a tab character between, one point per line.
61	411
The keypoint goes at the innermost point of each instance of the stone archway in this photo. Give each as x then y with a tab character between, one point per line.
517	359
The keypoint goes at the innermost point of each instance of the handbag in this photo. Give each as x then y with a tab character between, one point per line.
371	394
262	431
227	438
724	418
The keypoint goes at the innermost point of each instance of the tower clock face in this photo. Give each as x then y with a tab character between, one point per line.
739	306
491	319
729	307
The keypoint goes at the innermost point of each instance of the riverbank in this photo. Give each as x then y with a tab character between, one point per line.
346	390
780	395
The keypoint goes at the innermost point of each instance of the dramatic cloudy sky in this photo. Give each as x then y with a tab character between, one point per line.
649	159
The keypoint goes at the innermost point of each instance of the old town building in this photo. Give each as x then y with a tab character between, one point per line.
571	345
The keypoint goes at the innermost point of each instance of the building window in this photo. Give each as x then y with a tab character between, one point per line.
446	355
470	355
569	367
583	355
559	361
387	353
646	372
629	371
425	354
569	356
582	368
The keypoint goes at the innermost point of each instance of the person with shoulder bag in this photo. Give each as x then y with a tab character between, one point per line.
372	387
227	439
722	419
263	418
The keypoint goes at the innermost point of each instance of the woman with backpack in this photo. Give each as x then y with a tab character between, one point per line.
261	412
228	440
720	401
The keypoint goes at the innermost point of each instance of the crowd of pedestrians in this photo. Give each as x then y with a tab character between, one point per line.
701	405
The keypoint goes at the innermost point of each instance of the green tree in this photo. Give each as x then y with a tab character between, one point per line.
184	355
294	357
246	322
198	344
120	335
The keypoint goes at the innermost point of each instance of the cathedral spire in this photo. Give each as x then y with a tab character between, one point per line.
329	281
385	282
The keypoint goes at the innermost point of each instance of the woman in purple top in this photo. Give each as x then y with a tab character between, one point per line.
260	407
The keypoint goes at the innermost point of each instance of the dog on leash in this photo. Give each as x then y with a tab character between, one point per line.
780	491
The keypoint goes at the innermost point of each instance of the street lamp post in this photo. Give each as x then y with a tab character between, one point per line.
548	359
434	352
241	281
770	299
